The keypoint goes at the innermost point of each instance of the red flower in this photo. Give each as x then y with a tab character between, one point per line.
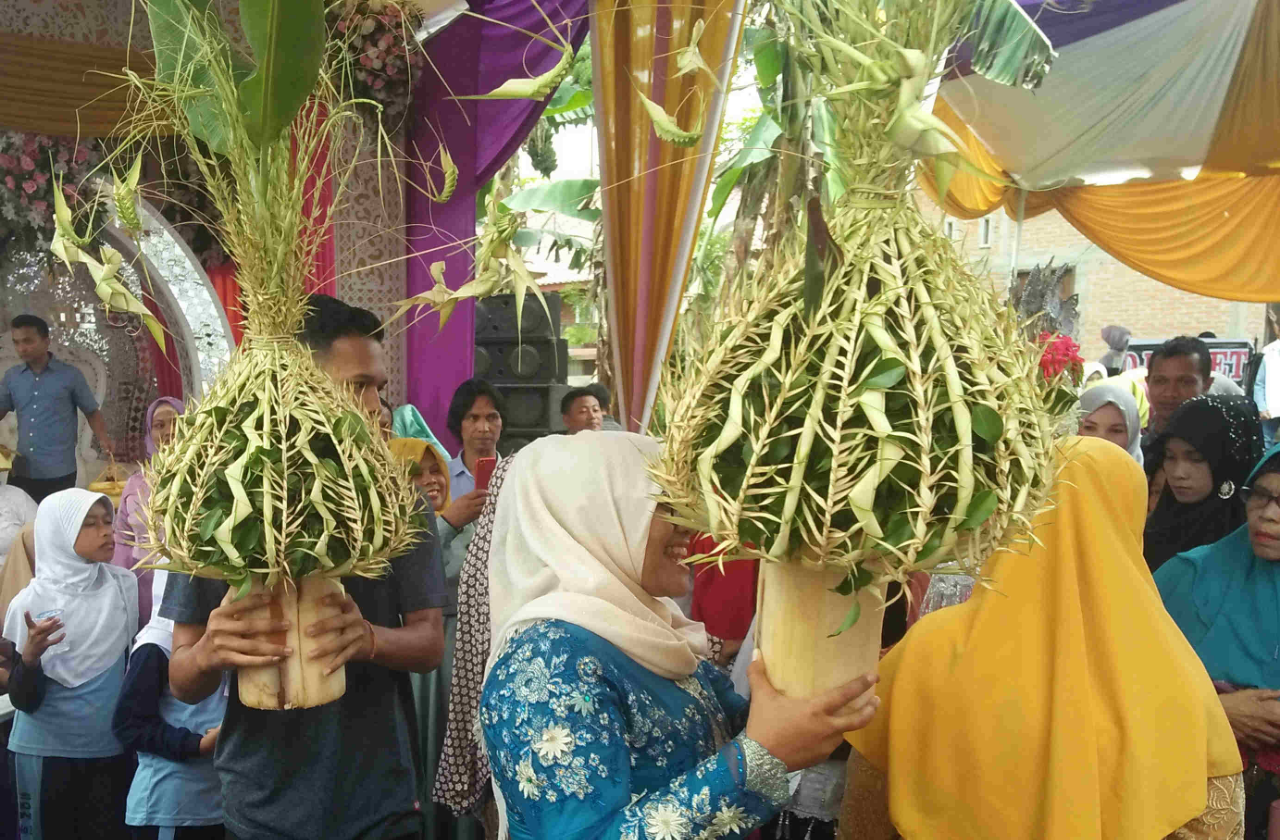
1060	354
27	163
28	187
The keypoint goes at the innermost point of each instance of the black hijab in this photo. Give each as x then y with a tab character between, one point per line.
1227	432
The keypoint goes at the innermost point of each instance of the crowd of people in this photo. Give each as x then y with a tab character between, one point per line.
543	664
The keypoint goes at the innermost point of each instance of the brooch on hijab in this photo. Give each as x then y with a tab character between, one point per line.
1227	490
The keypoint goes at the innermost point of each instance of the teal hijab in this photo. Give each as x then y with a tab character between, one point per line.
407	422
1227	603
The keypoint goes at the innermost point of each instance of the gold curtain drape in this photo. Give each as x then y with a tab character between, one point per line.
1213	236
653	191
60	87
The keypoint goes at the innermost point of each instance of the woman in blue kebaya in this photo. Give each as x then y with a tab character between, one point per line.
73	624
176	793
601	714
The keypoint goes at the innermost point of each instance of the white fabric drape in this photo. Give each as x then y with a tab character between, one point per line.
1142	99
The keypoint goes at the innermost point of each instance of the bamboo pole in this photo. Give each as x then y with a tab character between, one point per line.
298	682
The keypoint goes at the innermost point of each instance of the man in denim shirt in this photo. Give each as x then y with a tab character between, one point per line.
46	393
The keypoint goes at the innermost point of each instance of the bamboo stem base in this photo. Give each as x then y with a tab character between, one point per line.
298	682
797	614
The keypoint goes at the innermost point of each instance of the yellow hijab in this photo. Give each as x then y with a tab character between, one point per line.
1063	705
414	450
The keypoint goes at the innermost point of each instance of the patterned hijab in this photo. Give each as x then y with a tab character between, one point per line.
1226	431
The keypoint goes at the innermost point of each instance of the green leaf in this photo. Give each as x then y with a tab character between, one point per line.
243	587
987	423
861	578
567	197
210	522
767	56
1008	47
759	143
850	618
182	61
288	39
824	133
981	506
897	531
724	188
845	586
247	535
884	374
931	545
568	98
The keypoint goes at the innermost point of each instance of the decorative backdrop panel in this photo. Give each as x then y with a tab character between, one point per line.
370	248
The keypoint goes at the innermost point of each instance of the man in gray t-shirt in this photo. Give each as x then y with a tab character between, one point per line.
348	769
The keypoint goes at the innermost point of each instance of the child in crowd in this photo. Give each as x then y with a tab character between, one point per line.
176	793
73	624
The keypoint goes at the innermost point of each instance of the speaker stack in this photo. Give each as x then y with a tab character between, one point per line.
529	367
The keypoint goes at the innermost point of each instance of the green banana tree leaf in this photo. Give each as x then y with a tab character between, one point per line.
567	197
179	62
724	188
287	37
1008	47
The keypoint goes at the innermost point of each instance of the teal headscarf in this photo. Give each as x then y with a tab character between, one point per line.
1227	603
407	422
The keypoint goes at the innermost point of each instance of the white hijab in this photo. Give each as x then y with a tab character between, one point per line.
99	601
569	540
159	631
1112	392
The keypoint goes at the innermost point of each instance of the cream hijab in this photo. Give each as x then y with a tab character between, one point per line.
569	540
99	601
1118	394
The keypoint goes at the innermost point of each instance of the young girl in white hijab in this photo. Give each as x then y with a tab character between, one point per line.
73	624
176	793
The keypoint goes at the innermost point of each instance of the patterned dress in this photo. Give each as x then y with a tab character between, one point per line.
585	743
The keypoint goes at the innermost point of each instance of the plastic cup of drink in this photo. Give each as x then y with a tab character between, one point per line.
62	646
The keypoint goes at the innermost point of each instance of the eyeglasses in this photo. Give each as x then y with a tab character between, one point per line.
1256	499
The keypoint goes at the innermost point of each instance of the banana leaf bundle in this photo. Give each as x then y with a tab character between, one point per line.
275	481
864	407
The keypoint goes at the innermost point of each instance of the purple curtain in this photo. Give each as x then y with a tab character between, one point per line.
471	56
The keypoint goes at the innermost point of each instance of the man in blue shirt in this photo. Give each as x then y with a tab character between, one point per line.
46	393
475	417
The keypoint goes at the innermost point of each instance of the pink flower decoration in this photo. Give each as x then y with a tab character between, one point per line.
9	182
63	156
28	187
41	177
82	154
7	161
40	204
378	83
342	26
28	164
365	61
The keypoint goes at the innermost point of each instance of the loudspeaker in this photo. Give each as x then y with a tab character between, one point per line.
496	318
533	411
536	361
